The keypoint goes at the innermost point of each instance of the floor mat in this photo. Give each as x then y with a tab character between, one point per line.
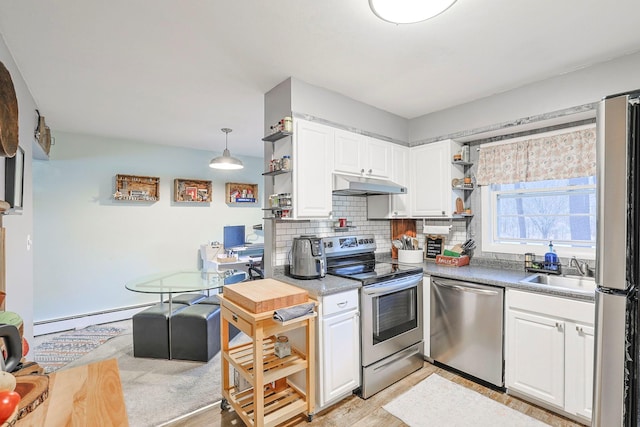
437	401
63	349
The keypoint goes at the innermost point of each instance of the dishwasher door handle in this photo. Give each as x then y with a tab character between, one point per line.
465	288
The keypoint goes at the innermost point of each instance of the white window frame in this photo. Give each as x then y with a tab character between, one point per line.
489	203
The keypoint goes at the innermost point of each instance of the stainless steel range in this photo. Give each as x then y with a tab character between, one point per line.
391	321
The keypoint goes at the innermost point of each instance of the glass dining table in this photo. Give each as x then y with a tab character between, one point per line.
177	282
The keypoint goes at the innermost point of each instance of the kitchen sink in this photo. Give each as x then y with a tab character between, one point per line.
580	283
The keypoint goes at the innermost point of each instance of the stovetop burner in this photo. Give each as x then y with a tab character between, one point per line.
353	257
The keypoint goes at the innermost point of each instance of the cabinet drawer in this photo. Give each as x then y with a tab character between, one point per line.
237	321
563	308
337	303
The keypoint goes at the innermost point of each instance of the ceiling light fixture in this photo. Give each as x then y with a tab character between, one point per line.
408	11
225	161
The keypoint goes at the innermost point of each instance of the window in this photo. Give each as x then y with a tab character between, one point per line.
525	216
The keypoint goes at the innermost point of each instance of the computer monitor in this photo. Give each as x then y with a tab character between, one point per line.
233	237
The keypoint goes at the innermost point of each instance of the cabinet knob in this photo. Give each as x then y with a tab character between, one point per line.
361	170
370	171
579	329
559	326
341	304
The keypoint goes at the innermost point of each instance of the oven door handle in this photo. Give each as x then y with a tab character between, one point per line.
469	289
392	286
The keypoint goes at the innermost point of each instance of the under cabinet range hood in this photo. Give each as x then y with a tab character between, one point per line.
348	185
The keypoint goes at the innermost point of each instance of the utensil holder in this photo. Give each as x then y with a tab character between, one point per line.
406	256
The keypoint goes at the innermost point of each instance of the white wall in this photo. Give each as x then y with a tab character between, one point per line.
87	245
342	110
19	258
584	86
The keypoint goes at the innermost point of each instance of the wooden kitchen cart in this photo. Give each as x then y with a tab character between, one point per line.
271	398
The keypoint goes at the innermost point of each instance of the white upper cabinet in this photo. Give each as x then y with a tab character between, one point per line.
397	205
358	154
431	174
377	158
313	164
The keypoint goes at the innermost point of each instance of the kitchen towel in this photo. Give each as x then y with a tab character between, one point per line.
289	313
436	229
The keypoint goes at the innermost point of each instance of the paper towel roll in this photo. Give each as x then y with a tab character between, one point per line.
436	229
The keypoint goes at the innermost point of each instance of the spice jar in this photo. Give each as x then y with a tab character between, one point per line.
528	260
282	347
287	124
285	163
284	200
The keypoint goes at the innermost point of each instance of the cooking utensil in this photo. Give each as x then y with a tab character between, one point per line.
397	244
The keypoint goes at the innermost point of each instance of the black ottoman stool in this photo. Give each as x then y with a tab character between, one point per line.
195	333
151	331
188	299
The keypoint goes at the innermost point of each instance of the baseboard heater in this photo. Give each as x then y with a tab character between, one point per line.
79	321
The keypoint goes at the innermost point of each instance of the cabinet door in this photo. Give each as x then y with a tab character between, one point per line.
377	158
430	180
400	175
396	205
535	356
340	355
579	369
349	150
313	158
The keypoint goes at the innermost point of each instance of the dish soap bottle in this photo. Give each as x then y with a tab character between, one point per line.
551	259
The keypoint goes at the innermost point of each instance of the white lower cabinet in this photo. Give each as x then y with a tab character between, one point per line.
549	351
337	349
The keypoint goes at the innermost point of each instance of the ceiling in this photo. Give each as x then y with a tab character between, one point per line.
177	71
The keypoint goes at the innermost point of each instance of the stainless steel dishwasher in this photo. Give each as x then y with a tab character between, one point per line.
467	328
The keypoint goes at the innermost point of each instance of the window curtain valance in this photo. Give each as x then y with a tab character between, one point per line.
560	156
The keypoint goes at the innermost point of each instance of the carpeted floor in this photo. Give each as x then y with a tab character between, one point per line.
436	401
157	390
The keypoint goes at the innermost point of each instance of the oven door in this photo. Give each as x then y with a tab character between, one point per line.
391	317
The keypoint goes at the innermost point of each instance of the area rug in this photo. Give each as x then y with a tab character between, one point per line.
64	349
439	402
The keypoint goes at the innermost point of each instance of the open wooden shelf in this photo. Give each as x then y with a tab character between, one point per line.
191	190
241	194
137	188
281	403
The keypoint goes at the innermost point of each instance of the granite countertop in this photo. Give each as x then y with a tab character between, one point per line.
504	278
318	287
483	274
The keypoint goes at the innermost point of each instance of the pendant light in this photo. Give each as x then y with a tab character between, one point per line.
225	161
408	11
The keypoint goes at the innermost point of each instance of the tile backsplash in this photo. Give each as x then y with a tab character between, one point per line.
354	209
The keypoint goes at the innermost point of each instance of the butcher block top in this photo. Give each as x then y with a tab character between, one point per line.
259	296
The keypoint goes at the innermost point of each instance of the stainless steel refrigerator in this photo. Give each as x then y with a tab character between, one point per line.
617	361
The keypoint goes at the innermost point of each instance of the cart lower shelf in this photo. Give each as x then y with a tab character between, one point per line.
274	367
282	401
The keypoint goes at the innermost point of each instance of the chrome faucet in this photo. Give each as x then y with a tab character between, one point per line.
583	268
